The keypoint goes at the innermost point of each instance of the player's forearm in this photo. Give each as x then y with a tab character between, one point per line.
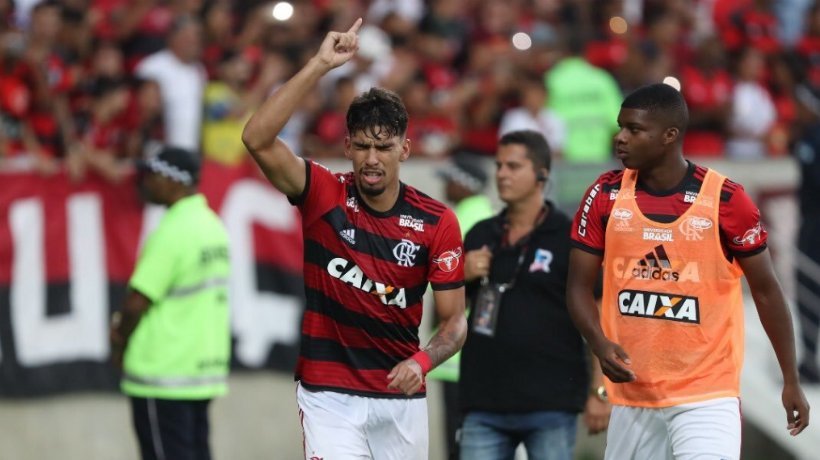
584	314
448	340
777	322
261	130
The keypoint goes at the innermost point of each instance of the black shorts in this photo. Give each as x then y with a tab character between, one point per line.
171	429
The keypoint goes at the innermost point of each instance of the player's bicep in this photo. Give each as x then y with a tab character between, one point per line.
759	272
282	167
584	268
740	223
446	268
449	303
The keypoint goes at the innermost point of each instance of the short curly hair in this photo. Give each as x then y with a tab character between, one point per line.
664	102
377	112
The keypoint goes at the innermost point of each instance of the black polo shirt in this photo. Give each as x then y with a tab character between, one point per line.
536	360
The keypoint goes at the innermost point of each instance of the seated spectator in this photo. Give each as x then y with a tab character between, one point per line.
707	87
102	144
229	101
532	113
432	133
146	130
330	128
808	47
753	24
181	77
19	147
783	83
753	112
217	21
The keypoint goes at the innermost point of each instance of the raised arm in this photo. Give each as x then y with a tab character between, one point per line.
283	169
583	274
408	375
777	322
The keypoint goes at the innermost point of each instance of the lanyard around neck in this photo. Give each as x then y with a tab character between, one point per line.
524	244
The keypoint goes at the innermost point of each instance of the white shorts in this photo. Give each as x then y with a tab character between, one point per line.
708	430
338	426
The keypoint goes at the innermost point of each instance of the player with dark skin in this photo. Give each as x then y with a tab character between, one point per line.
157	189
652	145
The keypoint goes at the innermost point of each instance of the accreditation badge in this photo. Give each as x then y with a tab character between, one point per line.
487	304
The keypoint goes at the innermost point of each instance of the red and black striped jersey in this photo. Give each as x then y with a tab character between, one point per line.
365	275
741	231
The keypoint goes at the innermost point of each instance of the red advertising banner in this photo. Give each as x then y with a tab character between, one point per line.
67	250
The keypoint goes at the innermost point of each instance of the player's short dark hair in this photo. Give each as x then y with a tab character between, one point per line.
664	103
538	151
376	112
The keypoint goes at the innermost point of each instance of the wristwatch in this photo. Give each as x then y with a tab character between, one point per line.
599	392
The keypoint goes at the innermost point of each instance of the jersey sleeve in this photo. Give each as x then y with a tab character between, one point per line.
446	268
740	225
320	193
154	271
587	231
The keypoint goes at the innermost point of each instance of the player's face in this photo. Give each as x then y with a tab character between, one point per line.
515	175
376	160
639	142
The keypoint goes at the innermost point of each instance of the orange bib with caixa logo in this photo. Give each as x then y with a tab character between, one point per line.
672	301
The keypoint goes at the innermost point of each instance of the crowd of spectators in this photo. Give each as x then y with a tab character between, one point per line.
91	85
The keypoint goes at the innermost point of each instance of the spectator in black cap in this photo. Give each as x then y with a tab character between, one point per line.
169	175
465	178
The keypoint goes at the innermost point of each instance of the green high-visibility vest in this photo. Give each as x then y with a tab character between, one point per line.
181	346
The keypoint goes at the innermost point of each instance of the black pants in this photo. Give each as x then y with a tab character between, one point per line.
171	429
452	418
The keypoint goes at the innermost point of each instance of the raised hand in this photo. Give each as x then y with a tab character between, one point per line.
339	47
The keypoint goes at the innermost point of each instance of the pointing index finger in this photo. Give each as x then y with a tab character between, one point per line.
355	27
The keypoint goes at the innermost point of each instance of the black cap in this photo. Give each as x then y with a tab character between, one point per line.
467	169
174	163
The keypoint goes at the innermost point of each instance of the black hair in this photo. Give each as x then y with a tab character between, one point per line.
664	102
538	151
377	112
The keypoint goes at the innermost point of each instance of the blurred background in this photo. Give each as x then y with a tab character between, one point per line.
87	87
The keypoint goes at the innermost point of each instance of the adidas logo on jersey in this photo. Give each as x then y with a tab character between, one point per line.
353	275
655	265
658	305
349	235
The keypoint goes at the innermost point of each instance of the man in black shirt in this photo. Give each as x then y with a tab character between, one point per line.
524	369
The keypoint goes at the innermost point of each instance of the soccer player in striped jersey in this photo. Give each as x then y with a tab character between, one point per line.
372	245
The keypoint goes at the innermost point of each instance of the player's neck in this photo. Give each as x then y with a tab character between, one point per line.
666	176
384	201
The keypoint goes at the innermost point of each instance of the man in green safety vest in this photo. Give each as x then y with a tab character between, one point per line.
172	336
